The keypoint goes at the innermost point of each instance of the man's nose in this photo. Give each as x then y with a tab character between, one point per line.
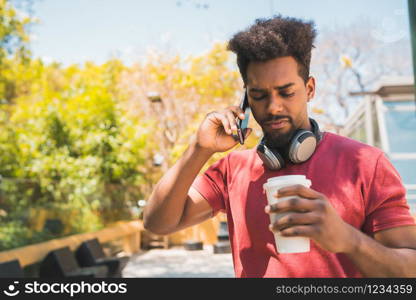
275	104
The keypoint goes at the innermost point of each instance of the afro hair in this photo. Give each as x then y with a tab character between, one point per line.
273	38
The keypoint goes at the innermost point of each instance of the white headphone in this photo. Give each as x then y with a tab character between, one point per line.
300	148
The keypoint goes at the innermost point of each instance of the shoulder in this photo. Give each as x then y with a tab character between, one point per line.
237	160
234	160
347	147
242	157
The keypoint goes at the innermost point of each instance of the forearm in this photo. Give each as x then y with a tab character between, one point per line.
166	204
373	259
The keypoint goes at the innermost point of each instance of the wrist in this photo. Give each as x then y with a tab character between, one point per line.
353	240
197	149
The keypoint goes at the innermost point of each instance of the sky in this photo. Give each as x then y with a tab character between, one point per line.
73	31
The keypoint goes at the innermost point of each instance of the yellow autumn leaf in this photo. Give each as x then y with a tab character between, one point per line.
346	62
317	110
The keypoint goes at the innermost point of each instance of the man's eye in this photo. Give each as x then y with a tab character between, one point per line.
258	98
284	95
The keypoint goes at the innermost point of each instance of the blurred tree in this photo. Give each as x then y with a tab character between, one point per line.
351	58
14	40
69	134
174	94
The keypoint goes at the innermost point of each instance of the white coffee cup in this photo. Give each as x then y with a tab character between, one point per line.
286	244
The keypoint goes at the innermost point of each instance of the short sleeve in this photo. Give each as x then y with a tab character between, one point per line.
386	200
212	185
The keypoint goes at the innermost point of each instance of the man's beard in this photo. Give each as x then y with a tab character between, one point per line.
277	139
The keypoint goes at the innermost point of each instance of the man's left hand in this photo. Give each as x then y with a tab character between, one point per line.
310	214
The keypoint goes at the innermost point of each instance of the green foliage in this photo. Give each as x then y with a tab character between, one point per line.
15	234
13	46
77	142
13	33
70	137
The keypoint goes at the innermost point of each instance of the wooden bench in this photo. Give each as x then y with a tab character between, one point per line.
90	253
61	263
11	269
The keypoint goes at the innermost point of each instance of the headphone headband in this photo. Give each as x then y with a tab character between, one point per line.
315	129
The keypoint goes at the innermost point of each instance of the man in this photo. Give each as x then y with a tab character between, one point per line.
355	212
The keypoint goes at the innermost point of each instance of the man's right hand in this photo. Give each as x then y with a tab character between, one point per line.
215	133
174	204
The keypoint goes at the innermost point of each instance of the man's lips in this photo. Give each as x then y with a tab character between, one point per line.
276	124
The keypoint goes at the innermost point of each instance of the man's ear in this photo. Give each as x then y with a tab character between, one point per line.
310	88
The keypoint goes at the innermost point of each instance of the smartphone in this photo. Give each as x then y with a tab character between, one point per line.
242	124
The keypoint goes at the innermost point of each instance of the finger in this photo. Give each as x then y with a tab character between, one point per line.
238	112
301	230
295	219
299	190
231	119
224	121
292	204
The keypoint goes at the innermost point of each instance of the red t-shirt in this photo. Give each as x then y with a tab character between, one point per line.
357	179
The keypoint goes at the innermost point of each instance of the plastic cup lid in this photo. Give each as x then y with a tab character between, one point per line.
288	178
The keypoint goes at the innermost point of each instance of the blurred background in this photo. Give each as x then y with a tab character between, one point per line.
99	98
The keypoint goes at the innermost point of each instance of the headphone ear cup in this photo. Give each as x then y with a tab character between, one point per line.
270	157
302	146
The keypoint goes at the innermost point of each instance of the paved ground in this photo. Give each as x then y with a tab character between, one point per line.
178	262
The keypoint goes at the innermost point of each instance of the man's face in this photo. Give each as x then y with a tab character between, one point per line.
278	98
